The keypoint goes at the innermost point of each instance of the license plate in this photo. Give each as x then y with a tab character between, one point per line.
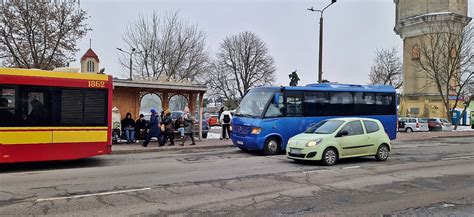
240	143
295	151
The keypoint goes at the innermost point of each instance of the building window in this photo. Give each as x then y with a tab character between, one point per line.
90	66
415	52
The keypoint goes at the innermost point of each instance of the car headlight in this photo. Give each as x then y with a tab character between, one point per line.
256	130
314	142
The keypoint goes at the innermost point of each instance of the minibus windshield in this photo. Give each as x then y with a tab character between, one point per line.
254	102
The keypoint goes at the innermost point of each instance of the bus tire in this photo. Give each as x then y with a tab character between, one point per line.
272	146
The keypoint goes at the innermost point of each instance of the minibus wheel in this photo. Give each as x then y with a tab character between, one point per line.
272	146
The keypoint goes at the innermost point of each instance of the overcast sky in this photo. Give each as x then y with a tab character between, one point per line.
353	29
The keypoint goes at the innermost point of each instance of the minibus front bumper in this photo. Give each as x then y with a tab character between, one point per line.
247	142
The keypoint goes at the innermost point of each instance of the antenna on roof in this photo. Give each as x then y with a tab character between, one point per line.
90	43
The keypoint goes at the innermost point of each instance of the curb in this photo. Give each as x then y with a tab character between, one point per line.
166	149
434	137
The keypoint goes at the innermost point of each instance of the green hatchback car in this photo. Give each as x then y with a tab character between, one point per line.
338	138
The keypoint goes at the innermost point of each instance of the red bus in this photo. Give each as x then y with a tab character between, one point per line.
46	115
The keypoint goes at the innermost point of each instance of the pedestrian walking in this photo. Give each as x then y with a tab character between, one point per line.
128	127
153	129
225	119
168	133
188	126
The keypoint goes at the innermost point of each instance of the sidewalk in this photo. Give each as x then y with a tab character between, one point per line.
123	148
401	136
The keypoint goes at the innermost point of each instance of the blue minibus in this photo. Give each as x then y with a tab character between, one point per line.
268	117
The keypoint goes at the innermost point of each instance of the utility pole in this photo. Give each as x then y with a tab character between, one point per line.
321	23
131	59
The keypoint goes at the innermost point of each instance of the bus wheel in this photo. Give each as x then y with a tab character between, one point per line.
272	146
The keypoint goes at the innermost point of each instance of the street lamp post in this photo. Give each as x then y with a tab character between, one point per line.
131	58
321	19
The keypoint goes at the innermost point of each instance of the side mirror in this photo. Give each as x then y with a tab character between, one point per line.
342	133
276	98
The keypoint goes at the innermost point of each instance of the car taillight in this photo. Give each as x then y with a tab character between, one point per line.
417	125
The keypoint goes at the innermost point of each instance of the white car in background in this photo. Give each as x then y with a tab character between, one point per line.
411	124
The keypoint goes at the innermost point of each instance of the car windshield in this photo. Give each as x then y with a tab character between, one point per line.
325	127
254	103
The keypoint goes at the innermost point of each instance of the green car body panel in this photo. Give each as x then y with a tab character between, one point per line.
365	144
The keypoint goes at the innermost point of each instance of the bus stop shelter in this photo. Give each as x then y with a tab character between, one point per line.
128	94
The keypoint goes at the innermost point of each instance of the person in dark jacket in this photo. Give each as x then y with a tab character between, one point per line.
188	126
169	129
140	127
38	115
153	129
128	126
179	124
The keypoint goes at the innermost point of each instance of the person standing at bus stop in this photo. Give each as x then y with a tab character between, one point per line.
153	129
188	126
225	118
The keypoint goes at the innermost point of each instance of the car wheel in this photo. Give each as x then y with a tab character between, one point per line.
409	130
382	153
329	157
272	147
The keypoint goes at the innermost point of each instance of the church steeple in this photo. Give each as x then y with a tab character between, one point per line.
90	62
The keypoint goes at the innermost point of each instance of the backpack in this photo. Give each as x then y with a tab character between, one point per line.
226	119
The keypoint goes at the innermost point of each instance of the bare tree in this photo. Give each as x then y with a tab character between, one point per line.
166	47
446	54
39	34
387	68
242	62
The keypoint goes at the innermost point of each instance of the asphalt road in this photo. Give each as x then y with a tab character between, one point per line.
420	178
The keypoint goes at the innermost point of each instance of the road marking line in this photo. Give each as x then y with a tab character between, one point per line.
352	167
461	157
91	195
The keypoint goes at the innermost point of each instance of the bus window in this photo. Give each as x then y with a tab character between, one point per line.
275	110
95	107
294	104
385	104
35	106
7	106
316	103
72	107
364	103
342	103
254	103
